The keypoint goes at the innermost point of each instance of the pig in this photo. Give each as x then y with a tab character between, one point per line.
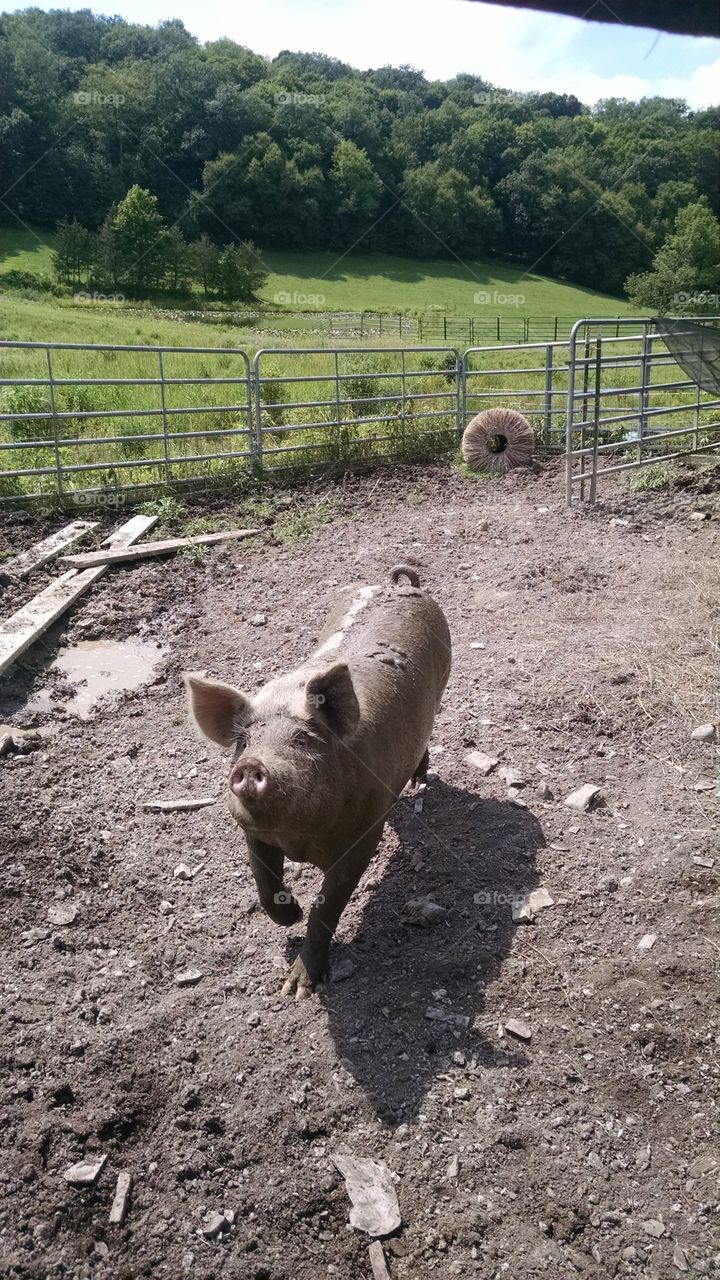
322	754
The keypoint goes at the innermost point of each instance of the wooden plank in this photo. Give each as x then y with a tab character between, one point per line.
178	806
147	549
19	631
41	552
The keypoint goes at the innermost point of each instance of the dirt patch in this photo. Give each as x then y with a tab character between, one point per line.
585	650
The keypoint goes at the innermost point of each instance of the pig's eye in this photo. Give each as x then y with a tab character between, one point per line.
241	742
303	740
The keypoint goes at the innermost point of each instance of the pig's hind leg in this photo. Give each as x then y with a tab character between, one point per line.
420	774
341	879
266	864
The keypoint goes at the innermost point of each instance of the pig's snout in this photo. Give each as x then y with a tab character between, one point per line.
249	779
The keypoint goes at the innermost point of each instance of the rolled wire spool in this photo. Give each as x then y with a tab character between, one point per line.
498	440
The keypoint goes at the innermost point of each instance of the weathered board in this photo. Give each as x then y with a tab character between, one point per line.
41	552
147	549
20	630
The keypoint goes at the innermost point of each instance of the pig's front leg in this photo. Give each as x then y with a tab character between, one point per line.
266	864
313	963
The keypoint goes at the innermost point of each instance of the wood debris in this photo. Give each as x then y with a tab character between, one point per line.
122	555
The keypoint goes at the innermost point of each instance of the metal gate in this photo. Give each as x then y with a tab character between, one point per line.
626	405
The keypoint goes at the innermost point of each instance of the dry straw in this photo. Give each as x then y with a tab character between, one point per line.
498	440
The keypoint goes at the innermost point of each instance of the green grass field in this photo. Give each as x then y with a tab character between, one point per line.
388	403
375	282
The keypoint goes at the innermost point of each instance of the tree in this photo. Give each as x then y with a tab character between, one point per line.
139	232
73	252
204	257
355	191
685	275
240	273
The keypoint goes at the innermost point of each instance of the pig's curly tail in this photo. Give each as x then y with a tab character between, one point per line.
404	571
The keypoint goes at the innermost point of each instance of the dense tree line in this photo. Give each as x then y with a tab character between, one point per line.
303	151
134	250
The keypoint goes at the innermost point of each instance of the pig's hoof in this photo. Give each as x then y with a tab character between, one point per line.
301	981
286	911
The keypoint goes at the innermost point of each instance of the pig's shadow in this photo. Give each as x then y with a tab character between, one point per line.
477	854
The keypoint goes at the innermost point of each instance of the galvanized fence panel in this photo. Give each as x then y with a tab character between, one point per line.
86	423
356	403
629	405
71	413
531	378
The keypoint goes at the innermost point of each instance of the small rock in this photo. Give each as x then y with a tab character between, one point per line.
166	908
595	1161
520	1030
642	1159
704	733
444	1015
342	969
422	911
85	1174
584	798
480	761
253	1019
702	1165
372	1192
258	620
647	942
453	1168
546	791
462	1093
378	1265
654	1227
512	777
215	1225
680	1258
701	861
62	913
188	978
699	515
31	936
121	1200
183	872
525	908
477	644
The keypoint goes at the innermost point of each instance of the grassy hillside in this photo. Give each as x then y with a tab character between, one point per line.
376	282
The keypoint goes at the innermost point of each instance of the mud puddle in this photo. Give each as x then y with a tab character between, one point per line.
96	669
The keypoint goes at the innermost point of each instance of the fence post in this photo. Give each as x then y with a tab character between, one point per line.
555	337
400	323
362	319
584	418
696	420
420	330
56	440
255	441
460	392
596	419
644	390
547	428
570	412
498	328
353	410
163	406
445	328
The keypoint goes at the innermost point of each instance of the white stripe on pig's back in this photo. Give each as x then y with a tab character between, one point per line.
359	602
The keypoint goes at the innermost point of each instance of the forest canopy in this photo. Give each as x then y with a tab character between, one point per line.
305	152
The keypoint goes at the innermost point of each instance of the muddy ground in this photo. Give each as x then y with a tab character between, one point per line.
585	651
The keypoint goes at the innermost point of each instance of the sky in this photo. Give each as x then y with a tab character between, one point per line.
513	48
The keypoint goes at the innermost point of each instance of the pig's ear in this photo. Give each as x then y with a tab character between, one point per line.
218	710
332	699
